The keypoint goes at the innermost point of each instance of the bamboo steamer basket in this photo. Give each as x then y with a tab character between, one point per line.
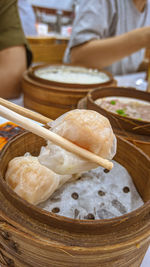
135	131
30	236
52	99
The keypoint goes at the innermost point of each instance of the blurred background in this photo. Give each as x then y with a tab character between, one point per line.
54	18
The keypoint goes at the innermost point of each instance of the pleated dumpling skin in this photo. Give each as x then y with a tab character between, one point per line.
88	129
30	180
85	128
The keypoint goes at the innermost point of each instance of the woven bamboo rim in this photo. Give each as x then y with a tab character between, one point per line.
124	124
32	75
56	89
33	237
9	194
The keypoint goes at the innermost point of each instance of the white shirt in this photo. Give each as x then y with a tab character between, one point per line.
99	19
27	17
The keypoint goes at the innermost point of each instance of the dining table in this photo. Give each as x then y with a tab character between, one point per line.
135	80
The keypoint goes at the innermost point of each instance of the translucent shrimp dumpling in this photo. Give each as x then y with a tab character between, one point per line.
85	128
30	180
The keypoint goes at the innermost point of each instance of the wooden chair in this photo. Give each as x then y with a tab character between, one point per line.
47	49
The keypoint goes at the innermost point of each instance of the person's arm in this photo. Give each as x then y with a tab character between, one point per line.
13	63
104	52
15	54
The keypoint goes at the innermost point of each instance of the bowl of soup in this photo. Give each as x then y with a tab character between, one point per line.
127	109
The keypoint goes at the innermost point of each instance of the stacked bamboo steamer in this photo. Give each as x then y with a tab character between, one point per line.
33	237
52	97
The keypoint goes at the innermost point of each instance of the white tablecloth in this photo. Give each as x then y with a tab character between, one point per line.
133	80
136	80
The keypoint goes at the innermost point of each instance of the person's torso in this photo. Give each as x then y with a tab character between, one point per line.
128	19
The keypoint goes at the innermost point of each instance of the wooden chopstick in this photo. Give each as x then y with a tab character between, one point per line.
24	111
48	135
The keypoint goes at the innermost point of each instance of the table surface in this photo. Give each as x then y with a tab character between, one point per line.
136	80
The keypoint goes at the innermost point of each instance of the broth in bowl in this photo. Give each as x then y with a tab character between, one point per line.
126	107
